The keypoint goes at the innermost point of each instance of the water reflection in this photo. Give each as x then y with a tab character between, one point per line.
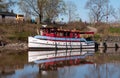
10	62
55	64
109	50
74	63
50	60
109	70
33	56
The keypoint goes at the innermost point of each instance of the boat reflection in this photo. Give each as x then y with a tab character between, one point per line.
33	56
51	60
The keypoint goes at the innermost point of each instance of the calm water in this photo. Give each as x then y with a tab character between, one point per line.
79	64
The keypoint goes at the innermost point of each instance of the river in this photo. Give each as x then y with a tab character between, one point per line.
105	63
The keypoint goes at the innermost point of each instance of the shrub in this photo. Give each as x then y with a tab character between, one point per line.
97	37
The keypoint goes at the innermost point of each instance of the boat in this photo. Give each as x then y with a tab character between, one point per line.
54	38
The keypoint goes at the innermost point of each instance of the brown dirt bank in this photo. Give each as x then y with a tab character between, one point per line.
14	47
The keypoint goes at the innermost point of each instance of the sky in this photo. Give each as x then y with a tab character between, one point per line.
82	12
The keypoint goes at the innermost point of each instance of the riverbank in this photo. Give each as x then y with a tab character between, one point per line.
24	46
14	47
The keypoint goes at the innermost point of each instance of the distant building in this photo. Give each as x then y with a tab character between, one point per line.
10	17
19	18
7	17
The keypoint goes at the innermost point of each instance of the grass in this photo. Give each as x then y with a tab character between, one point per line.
114	30
15	33
22	36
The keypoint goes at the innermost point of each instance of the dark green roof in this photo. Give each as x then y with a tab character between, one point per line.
7	14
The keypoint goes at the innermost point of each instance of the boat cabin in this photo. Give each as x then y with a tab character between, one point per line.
55	32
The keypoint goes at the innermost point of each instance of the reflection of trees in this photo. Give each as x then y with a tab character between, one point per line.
12	61
67	72
108	70
107	65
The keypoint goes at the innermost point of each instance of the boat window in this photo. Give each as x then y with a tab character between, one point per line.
49	31
58	34
46	31
64	34
61	34
43	30
67	33
74	35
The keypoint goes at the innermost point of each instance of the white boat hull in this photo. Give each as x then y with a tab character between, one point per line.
34	43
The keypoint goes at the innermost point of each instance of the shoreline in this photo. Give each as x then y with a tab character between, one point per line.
24	46
14	47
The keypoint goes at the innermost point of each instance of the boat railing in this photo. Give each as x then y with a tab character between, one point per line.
62	39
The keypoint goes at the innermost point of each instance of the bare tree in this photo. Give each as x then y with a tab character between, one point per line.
6	4
1	6
54	8
40	8
117	15
71	10
100	10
